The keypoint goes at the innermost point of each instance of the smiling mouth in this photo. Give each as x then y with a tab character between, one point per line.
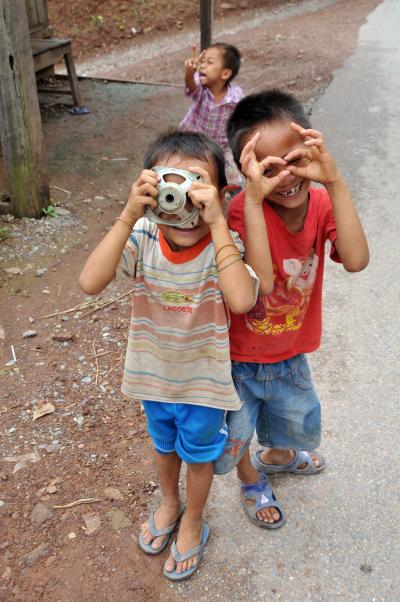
292	192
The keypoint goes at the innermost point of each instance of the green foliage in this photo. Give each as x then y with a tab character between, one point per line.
51	211
98	21
4	233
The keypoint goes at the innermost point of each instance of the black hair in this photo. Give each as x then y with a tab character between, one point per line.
268	106
190	144
231	58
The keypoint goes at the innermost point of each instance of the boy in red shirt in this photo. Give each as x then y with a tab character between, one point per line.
272	139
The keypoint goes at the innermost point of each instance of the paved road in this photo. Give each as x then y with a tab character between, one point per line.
341	541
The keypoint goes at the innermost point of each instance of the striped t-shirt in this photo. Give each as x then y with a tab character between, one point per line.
178	343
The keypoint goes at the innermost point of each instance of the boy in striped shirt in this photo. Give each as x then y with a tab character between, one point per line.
178	359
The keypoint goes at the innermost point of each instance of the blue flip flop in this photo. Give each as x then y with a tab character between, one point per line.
300	457
263	496
178	557
147	547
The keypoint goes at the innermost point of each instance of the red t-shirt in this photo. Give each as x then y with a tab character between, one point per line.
288	321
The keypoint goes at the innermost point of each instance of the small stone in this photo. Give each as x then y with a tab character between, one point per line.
41	513
62	211
2	504
52	447
13	271
36	553
72	535
29	333
30	320
86	380
112	493
79	420
41	272
92	522
118	519
7	573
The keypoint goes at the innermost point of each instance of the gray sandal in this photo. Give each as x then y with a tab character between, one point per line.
263	496
147	548
300	457
178	557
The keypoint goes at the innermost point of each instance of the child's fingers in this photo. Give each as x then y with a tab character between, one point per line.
304	132
318	143
200	57
298	153
271	160
147	200
249	146
203	173
149	176
278	179
146	189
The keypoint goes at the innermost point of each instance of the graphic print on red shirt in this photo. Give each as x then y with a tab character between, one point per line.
288	321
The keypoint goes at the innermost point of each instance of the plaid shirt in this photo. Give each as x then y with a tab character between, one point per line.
208	117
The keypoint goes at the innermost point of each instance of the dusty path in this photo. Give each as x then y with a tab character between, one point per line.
93	438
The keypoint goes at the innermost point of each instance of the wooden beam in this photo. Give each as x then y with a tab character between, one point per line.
206	22
20	122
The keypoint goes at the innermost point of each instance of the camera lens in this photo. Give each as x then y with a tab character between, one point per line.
170	198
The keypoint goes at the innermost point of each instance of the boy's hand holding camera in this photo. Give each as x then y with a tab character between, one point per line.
205	197
143	192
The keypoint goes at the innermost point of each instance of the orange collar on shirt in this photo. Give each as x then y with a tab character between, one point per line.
185	255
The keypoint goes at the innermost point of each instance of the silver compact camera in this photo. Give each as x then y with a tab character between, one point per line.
172	199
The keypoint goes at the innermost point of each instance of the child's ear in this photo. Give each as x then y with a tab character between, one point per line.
226	74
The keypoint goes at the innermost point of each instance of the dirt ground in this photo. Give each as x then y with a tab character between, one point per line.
67	434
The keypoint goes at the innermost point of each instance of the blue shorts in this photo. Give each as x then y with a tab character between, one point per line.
280	403
196	433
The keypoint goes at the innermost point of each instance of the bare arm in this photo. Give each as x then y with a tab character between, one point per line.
101	266
350	243
237	285
257	251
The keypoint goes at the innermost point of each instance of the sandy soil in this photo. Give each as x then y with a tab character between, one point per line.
92	439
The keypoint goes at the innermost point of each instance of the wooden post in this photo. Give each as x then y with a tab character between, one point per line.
20	122
206	22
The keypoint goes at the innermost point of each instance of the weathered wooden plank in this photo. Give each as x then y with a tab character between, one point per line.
37	15
206	22
20	122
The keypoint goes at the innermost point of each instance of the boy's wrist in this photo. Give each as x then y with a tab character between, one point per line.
334	183
129	216
218	225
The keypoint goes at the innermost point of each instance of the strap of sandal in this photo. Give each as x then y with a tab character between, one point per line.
158	532
178	557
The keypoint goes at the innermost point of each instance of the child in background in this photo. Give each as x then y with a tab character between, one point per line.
208	83
271	136
177	358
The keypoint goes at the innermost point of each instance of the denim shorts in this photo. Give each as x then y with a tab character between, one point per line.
196	433
279	402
